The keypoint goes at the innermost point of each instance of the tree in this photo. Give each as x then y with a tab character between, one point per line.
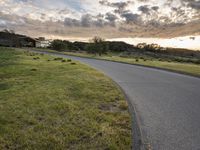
98	45
59	45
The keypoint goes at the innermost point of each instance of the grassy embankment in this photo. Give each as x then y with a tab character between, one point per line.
189	68
48	103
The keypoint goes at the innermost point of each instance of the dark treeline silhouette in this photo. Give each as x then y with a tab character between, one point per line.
96	46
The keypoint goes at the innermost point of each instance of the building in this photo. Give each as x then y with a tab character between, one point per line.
10	39
27	42
15	40
41	42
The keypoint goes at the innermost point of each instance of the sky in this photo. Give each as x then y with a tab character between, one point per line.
151	20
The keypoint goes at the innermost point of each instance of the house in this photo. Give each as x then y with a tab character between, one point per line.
27	42
10	39
41	42
15	40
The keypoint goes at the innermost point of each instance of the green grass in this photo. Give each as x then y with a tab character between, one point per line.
188	68
48	103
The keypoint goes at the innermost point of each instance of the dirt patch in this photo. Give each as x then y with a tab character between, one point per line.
109	107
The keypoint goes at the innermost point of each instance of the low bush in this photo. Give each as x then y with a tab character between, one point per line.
69	60
36	58
58	58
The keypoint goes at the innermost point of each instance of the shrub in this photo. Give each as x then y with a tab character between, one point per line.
69	60
36	58
58	58
33	69
59	45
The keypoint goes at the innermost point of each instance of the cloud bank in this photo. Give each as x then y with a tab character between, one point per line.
106	18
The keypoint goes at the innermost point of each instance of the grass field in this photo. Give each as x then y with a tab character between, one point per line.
189	68
54	103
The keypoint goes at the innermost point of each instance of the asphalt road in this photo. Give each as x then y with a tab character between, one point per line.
167	104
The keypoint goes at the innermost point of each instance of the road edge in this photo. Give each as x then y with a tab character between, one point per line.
138	140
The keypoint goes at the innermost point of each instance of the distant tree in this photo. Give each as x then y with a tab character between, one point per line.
152	47
82	46
98	46
70	46
141	45
97	39
119	46
59	45
149	47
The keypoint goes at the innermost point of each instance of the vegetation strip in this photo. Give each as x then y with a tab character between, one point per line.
183	68
55	103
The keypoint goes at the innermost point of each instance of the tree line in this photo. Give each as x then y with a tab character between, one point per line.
96	46
99	46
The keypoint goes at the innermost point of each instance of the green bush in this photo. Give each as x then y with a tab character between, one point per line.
58	58
59	45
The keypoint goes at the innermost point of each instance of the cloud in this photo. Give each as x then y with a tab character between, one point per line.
111	18
144	9
155	8
131	18
86	20
195	4
71	22
143	0
120	7
104	17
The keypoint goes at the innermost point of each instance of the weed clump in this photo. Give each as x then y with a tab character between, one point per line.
33	69
73	63
69	60
123	105
36	58
58	58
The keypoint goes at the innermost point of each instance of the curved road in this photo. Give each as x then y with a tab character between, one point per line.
167	104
